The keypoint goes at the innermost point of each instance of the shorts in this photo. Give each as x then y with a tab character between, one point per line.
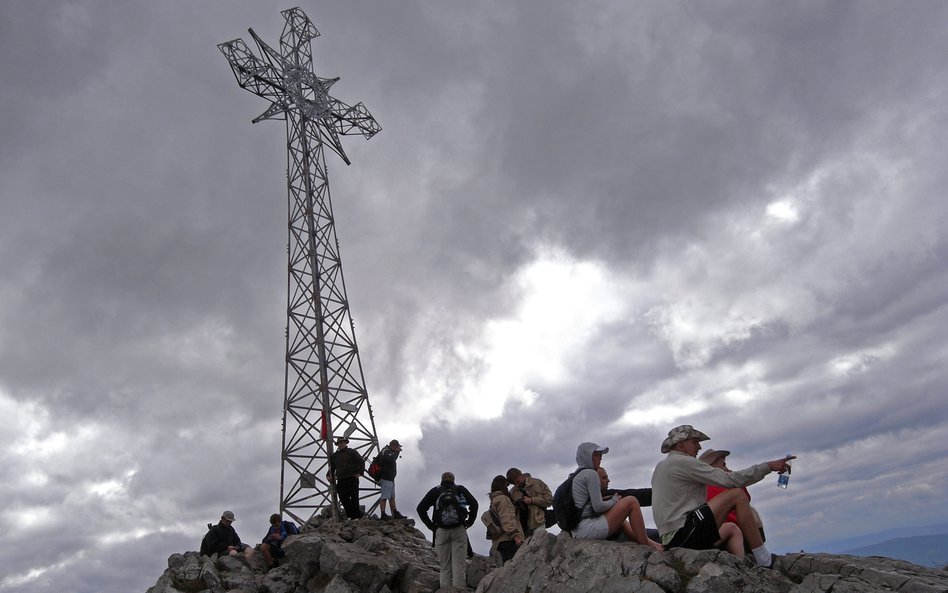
592	528
700	531
388	489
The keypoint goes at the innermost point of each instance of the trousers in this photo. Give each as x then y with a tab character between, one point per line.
451	548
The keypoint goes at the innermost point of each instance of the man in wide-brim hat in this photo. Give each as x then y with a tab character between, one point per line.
683	517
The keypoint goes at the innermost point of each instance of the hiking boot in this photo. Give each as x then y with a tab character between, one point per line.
385	517
398	515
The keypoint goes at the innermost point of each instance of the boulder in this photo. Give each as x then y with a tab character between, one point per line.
370	556
560	564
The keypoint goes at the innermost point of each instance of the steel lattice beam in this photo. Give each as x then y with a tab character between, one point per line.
324	390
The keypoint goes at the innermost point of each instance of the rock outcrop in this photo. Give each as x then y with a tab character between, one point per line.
367	556
348	557
558	564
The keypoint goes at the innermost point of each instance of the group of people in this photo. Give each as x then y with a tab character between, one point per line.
346	466
696	502
222	539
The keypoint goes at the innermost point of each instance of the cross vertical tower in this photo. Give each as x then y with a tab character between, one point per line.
324	390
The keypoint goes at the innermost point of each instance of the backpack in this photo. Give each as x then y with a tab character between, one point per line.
204	550
448	510
291	528
375	468
568	514
492	521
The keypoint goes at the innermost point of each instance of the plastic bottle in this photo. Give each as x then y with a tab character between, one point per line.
783	480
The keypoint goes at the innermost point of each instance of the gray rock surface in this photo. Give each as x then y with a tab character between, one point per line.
559	564
367	556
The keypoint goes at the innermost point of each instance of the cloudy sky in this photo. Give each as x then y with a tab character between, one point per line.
581	221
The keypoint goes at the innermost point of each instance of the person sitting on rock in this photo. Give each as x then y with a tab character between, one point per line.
643	495
223	539
531	496
679	491
600	518
272	546
717	459
502	505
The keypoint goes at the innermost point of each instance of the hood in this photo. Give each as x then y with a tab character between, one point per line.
584	454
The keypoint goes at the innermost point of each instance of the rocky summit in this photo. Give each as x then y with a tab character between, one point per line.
368	556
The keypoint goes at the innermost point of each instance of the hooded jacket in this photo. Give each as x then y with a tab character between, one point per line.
587	494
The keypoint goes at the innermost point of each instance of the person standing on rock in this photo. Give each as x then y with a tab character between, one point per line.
388	459
501	503
346	466
223	539
531	496
454	509
679	492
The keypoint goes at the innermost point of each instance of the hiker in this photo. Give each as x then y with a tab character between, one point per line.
717	459
223	539
681	512
502	505
388	458
454	511
600	518
643	495
531	496
346	465
272	546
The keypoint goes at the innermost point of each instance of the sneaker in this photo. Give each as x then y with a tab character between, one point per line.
398	515
385	517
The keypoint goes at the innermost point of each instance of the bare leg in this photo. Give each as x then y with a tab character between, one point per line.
735	499
731	539
627	515
382	506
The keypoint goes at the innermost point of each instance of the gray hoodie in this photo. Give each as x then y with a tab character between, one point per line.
586	481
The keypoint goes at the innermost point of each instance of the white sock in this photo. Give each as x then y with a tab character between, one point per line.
762	555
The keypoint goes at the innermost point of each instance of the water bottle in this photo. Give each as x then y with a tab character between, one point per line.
783	480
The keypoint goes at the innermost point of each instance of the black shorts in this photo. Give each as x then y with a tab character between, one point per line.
700	532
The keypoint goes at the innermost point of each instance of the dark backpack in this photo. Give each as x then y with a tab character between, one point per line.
204	550
568	514
448	510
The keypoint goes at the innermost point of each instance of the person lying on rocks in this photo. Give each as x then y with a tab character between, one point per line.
679	492
272	546
600	518
223	539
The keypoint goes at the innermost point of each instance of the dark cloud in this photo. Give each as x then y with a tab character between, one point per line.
578	223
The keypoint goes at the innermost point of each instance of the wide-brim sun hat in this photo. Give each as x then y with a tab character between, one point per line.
682	433
711	456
